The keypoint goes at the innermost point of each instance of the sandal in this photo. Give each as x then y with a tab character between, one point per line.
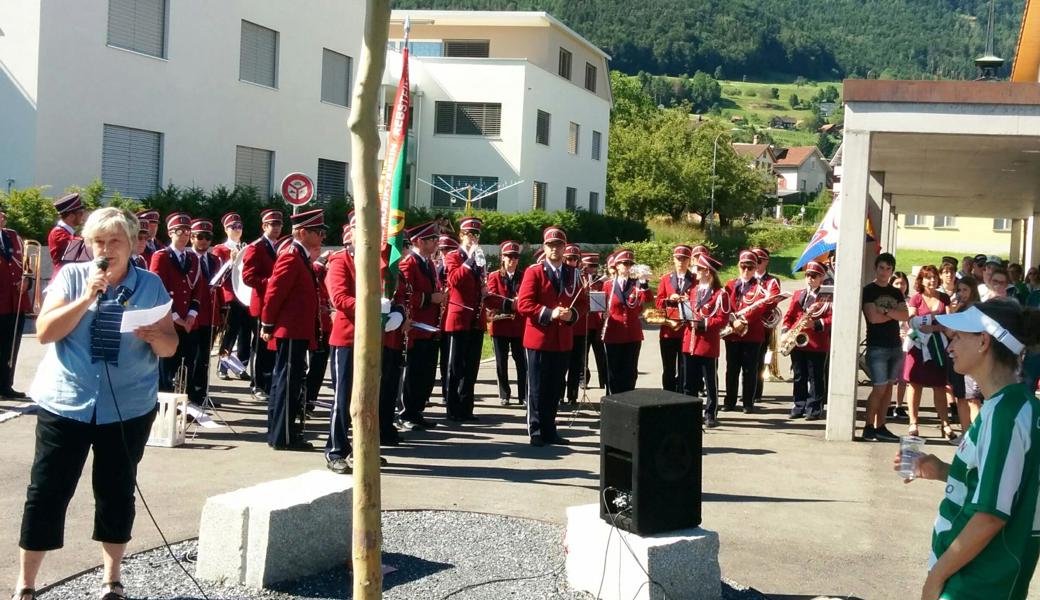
112	594
948	432
914	430
25	594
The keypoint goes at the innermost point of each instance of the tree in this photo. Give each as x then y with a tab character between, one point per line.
792	100
825	144
631	102
703	91
718	72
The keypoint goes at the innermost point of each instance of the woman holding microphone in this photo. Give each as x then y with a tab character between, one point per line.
96	389
984	543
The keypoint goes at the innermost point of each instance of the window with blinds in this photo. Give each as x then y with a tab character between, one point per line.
596	141
571	199
594	202
541	132
468	118
138	25
335	77
253	169
590	77
464	186
1002	224
945	222
130	161
573	133
540	191
332	179
258	56
565	64
467	48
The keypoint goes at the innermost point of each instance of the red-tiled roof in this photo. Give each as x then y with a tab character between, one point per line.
751	150
793	157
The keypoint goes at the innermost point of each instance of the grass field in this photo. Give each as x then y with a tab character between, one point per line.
758	111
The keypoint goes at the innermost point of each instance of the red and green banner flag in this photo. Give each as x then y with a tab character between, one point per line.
392	181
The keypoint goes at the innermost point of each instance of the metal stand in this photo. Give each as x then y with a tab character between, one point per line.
207	402
583	404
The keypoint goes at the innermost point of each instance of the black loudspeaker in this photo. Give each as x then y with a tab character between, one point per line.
650	461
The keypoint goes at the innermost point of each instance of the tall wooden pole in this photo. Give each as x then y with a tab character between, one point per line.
368	340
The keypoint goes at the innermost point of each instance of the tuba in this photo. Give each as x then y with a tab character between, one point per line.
243	292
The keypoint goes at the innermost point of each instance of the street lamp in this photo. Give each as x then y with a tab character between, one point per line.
714	162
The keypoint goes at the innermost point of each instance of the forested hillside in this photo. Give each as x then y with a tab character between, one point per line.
771	39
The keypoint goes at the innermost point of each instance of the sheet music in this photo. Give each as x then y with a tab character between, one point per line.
132	319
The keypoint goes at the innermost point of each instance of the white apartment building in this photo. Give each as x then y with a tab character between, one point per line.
143	93
501	98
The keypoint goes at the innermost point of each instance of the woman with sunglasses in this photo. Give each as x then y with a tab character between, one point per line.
238	335
984	543
701	341
622	328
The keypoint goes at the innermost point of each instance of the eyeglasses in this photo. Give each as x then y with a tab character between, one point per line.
813	275
235	226
746	267
318	231
203	236
998	282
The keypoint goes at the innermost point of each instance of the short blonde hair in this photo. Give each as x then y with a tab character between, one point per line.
110	219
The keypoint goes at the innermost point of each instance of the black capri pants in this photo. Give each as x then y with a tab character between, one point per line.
61	451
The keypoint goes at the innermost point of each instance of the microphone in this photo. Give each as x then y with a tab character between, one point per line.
101	263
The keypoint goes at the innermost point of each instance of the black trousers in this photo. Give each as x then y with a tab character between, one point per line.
672	379
810	381
545	382
263	363
463	363
10	341
287	383
168	366
338	444
198	369
504	346
622	365
317	361
762	364
239	332
742	366
577	374
445	346
594	342
390	391
419	377
62	445
703	372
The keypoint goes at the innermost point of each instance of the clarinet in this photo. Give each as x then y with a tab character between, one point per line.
407	315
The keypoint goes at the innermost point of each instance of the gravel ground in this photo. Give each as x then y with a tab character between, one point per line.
437	555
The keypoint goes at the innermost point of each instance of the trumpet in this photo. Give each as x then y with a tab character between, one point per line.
180	379
657	316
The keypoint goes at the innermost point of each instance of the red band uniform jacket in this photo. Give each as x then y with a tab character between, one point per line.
818	329
213	301
536	300
625	301
711	314
502	284
57	242
421	275
257	266
290	306
340	278
11	275
185	283
673	284
466	285
742	295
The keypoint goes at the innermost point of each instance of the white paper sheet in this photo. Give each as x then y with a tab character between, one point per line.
132	319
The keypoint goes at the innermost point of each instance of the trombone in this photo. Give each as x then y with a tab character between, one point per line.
31	252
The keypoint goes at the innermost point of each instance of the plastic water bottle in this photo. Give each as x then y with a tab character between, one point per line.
911	448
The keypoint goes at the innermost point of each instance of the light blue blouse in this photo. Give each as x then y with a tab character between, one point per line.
68	384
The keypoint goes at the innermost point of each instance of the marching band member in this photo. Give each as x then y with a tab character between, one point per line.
576	374
744	344
593	322
810	312
71	214
340	279
546	295
507	329
419	272
240	325
711	306
137	259
318	357
771	285
257	263
290	323
149	220
445	245
465	321
14	303
396	332
181	274
673	290
209	311
622	328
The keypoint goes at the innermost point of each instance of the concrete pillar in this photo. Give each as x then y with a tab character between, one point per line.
1032	242
894	242
1017	250
886	225
848	286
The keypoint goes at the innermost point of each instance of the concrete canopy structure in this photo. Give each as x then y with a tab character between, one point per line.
929	147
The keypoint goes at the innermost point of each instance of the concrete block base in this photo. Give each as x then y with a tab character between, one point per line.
276	531
684	564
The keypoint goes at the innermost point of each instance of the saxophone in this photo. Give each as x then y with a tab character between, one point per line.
657	316
796	337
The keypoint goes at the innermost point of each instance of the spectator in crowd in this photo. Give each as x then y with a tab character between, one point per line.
967	265
897	410
883	307
964	389
1032	279
924	360
983	543
997	287
948	280
1017	287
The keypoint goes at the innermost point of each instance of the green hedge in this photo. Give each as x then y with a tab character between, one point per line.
775	237
581	226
